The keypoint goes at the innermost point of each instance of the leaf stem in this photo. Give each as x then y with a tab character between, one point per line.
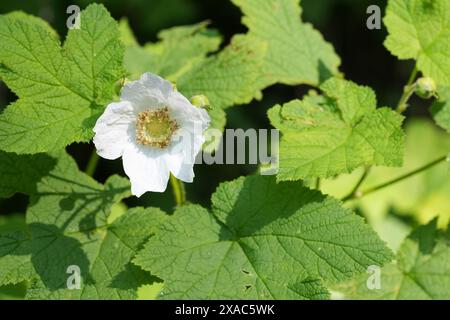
408	91
393	181
355	191
178	190
92	163
318	184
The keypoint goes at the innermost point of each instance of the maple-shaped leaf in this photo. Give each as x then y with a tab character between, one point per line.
61	90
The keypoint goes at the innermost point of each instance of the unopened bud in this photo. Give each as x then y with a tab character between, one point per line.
425	87
119	85
200	101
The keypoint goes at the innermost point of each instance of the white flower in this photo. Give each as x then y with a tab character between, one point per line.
155	130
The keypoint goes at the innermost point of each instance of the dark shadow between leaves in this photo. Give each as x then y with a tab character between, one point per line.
21	173
52	253
426	237
132	277
262	201
93	201
324	72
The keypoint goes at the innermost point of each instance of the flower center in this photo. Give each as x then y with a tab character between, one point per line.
155	128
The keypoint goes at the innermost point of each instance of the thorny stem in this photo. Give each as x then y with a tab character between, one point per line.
178	190
92	164
393	181
408	91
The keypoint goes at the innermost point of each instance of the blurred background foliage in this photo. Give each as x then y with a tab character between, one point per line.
392	211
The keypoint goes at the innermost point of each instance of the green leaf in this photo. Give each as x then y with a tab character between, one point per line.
422	270
62	192
441	109
420	197
103	254
213	134
263	240
441	112
20	173
297	53
228	77
20	15
177	50
61	90
420	30
150	291
325	136
13	292
68	225
12	222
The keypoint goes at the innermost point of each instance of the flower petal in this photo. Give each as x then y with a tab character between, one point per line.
150	91
187	141
113	129
186	113
181	169
146	169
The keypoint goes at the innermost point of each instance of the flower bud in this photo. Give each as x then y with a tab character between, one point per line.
425	87
200	101
119	84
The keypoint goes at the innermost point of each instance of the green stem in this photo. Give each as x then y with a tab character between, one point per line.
178	190
318	184
92	164
408	91
398	179
355	191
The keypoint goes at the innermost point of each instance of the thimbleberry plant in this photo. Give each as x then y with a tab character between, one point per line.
312	230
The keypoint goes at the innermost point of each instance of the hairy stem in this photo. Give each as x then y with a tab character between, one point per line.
92	163
178	190
408	91
393	181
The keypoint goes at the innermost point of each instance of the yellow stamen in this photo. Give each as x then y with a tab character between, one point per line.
155	128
